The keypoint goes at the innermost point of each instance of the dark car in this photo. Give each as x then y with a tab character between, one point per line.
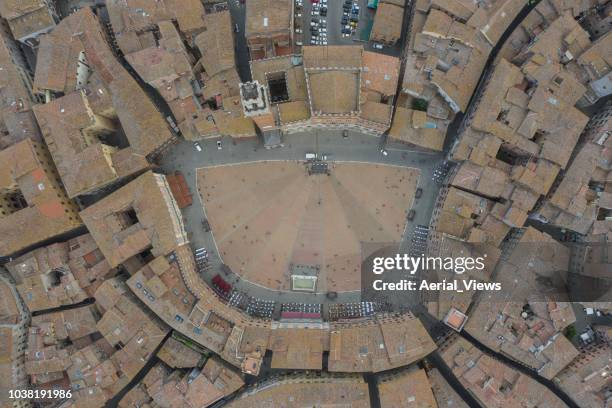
411	215
418	193
344	20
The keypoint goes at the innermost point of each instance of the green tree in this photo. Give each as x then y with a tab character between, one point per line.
420	104
570	332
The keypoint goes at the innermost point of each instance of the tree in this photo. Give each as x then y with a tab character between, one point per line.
570	332
420	104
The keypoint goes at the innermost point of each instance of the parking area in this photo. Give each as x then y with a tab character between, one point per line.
418	243
336	22
329	22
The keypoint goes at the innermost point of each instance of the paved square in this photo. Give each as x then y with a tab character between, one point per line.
267	216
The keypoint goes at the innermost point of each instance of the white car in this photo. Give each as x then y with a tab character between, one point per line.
197	146
298	30
299	43
219	145
298	15
323	30
314	13
324	42
377	46
313	23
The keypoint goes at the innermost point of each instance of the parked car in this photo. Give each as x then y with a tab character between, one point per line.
299	43
219	145
411	215
197	146
377	46
418	193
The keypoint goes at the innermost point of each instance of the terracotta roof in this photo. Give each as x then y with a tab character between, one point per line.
406	130
380	73
216	43
16	119
26	167
377	346
158	224
387	26
406	388
333	57
143	125
27	17
376	112
69	126
293	111
268	17
307	391
298	349
334	92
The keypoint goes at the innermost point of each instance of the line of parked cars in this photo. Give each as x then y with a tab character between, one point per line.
350	17
299	8
318	23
